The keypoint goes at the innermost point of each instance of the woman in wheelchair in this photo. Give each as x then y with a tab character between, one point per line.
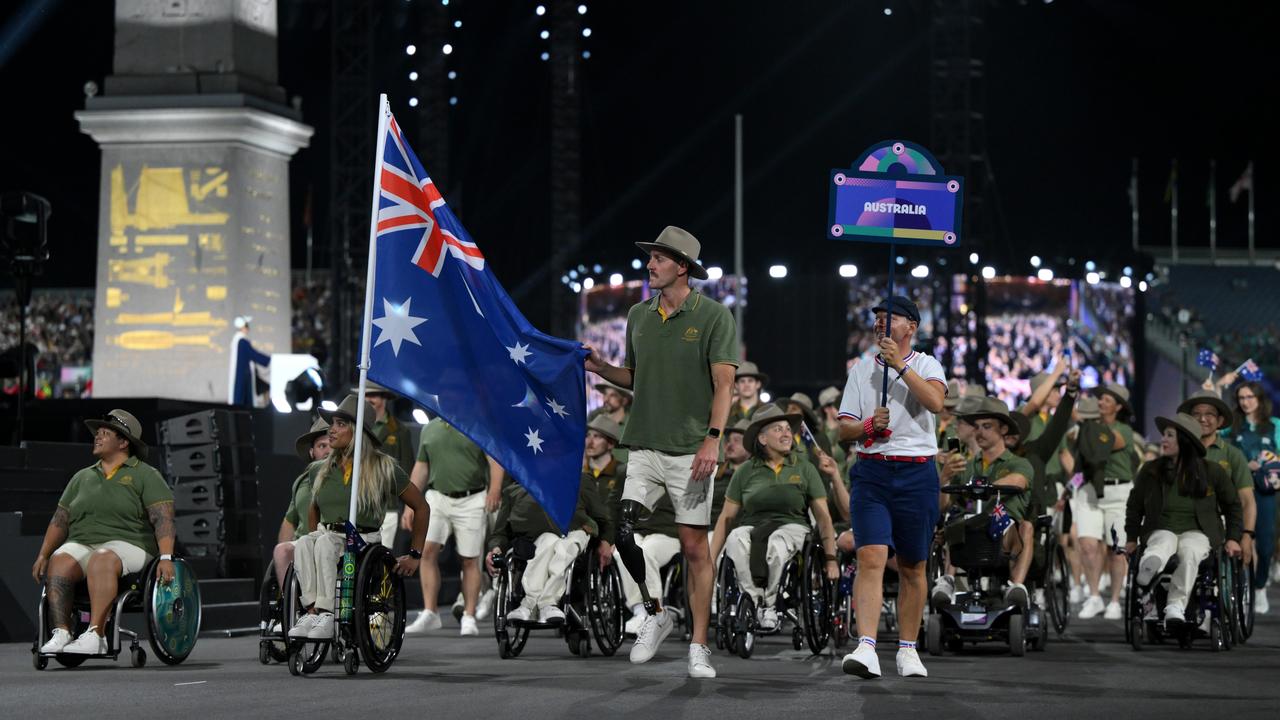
774	491
112	519
311	447
1176	507
522	524
382	481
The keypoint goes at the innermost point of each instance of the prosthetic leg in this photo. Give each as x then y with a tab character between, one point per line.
632	555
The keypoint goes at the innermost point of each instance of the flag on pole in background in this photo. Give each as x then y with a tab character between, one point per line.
447	335
1250	371
1208	359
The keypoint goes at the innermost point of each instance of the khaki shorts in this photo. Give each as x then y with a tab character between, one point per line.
132	558
464	518
651	473
1096	517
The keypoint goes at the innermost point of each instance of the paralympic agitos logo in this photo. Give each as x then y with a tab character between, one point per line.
895	208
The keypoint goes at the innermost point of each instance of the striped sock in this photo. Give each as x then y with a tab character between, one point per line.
867	640
906	645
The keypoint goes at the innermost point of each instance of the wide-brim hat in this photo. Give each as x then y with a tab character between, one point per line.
802	400
953	395
750	369
1185	424
347	410
606	426
830	395
126	425
680	243
990	407
765	416
1021	425
1087	408
302	446
373	388
810	419
970	400
1041	378
738	427
602	386
1209	397
1120	393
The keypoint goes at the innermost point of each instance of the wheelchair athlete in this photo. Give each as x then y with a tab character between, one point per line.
310	447
992	422
773	490
1176	507
111	520
381	483
521	521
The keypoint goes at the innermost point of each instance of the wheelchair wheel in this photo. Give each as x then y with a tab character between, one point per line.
1057	589
137	657
304	657
511	639
1228	615
172	612
933	635
379	611
816	591
271	646
1136	631
744	633
604	605
1017	636
1217	636
1244	599
722	621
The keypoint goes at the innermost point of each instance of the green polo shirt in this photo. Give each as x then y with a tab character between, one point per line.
1003	466
1120	462
395	441
1232	461
103	509
299	513
608	483
737	412
775	496
670	359
334	495
1178	514
457	464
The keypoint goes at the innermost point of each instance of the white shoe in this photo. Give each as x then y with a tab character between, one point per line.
1148	568
61	638
944	592
485	605
469	627
862	662
1092	607
1037	597
909	664
637	619
89	643
550	614
427	620
1260	604
1113	612
322	628
524	613
1174	615
700	661
653	631
301	628
1077	595
1016	594
768	619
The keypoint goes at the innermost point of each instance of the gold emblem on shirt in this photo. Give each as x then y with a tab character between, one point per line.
691	334
1104	438
1225	465
126	480
794	480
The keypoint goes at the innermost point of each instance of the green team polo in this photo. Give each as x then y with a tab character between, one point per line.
334	495
775	496
1006	464
299	513
1232	461
457	464
1120	462
671	361
1178	514
395	441
103	509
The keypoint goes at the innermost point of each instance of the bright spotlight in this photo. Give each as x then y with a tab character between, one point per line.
420	416
544	34
410	49
540	10
920	271
988	273
973	258
1128	270
577	287
1142	286
457	23
586	54
413	75
1090	266
1045	275
615	279
453	100
545	56
777	271
589	283
765	397
453	74
447	49
1092	278
636	264
848	271
1126	281
582	9
586	32
715	272
888	11
413	102
1035	261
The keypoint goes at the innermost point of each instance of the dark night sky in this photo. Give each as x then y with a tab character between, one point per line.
1075	89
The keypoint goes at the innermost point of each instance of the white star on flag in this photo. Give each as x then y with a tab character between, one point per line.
396	325
519	353
535	442
557	408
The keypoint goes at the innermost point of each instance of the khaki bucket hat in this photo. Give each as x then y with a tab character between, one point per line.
681	244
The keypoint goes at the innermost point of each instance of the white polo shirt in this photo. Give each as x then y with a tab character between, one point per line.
914	427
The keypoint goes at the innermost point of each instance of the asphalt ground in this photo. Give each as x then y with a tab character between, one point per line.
1090	674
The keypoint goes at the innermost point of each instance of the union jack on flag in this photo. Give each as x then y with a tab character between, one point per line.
999	523
409	201
1207	358
1250	371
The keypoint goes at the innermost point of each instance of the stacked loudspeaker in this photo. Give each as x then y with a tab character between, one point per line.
210	462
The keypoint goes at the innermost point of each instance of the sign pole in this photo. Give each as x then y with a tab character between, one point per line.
888	326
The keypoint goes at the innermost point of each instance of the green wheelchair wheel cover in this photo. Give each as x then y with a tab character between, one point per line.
173	613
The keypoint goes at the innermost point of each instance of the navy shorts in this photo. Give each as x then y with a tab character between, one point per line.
895	504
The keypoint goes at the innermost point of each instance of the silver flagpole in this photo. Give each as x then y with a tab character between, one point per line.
1252	186
1173	210
384	114
1213	211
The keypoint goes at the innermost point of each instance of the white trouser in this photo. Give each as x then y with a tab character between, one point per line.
1192	548
387	532
545	575
315	560
784	543
658	550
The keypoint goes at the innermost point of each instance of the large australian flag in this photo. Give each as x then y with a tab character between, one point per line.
447	335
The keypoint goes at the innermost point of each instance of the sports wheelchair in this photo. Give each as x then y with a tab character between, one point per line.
980	613
806	598
171	613
369	613
593	603
1210	609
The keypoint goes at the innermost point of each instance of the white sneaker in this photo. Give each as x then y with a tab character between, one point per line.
301	628
909	664
485	605
944	592
1037	597
653	631
322	628
1260	604
862	662
427	620
1113	612
1148	568
637	619
768	619
550	614
61	638
1016	594
700	661
89	643
1174	615
469	627
1092	607
524	613
1077	595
